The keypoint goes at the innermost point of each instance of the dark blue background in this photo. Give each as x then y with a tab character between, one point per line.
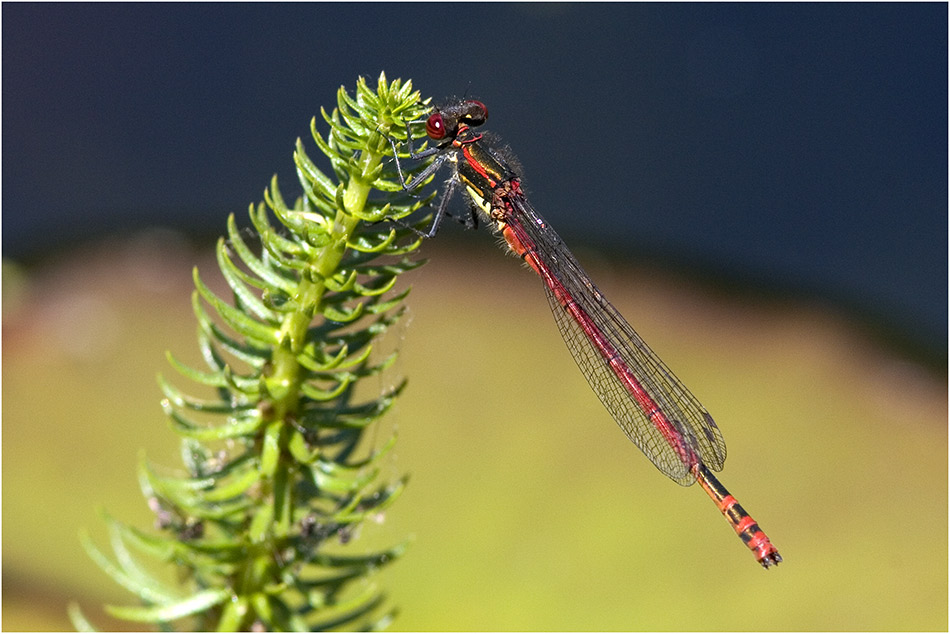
797	148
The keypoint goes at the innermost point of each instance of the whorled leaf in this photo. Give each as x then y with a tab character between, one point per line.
274	466
171	611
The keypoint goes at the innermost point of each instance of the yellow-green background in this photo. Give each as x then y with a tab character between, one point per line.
527	507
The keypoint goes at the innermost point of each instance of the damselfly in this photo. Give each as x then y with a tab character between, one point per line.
650	404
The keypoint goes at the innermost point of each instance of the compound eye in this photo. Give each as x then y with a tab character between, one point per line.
476	113
435	126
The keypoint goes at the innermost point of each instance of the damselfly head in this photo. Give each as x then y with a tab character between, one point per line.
444	122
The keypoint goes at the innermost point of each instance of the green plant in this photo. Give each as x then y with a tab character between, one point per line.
279	472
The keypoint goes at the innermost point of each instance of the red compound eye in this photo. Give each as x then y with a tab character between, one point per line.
435	126
476	113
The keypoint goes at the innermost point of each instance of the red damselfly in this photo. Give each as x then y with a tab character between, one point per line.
650	404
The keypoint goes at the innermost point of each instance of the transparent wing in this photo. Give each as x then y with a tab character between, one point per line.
609	352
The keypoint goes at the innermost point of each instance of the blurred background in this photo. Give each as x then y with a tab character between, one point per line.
760	189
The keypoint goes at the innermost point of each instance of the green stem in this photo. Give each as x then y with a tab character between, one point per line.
233	524
286	377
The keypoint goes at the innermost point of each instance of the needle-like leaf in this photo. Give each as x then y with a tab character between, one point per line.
276	469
